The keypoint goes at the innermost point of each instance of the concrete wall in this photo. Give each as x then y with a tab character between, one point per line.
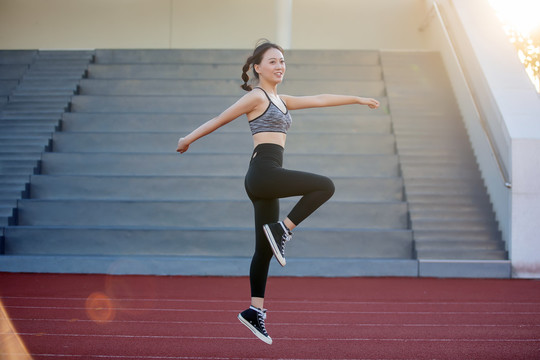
315	24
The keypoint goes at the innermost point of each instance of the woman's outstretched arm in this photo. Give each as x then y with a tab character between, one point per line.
243	106
326	100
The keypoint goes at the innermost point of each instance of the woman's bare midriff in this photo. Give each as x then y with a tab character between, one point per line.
269	138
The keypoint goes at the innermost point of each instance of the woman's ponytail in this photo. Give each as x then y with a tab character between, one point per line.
256	59
245	76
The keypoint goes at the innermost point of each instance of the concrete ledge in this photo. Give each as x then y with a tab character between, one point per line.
465	268
203	266
340	267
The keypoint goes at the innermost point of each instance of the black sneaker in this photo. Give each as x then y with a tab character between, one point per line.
277	235
254	318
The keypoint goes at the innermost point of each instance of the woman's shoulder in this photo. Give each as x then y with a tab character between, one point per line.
255	95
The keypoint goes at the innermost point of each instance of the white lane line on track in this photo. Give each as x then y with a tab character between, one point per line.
158	322
175	337
150	357
435	311
397	302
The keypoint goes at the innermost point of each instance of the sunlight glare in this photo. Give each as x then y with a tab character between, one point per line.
521	22
524	15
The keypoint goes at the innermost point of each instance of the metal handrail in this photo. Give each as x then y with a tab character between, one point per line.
435	11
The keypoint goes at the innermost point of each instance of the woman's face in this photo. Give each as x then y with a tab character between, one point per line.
272	66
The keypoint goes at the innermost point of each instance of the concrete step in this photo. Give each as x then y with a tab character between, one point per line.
458	213
61	65
445	186
442	171
7	86
187	104
44	93
241	143
171	164
229	72
452	224
437	158
353	244
12	71
417	155
430	125
30	115
204	266
21	149
462	254
6	211
441	201
10	193
203	214
37	105
9	186
15	168
64	55
38	135
432	143
44	76
53	83
22	160
13	179
457	243
17	56
20	157
136	122
40	98
27	129
457	235
448	268
59	74
30	124
12	203
192	188
167	87
436	201
24	139
238	57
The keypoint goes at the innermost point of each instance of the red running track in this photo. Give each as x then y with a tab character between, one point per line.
151	317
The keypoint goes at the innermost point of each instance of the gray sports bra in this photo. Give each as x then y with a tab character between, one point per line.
272	120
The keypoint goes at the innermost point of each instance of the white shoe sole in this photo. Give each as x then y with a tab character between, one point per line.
281	260
267	340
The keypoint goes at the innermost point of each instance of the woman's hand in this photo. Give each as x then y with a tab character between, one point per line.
183	146
372	103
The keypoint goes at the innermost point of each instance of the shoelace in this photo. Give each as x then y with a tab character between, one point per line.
261	316
286	237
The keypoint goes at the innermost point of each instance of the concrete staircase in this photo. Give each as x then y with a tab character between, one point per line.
451	215
35	90
114	197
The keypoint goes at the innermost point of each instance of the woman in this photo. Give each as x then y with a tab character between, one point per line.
266	181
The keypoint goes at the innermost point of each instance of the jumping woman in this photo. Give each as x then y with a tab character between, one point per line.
266	181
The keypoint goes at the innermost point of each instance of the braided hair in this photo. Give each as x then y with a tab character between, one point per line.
255	59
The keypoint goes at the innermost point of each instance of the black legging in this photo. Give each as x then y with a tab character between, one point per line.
266	181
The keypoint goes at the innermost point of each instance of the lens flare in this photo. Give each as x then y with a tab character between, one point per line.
11	345
100	308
